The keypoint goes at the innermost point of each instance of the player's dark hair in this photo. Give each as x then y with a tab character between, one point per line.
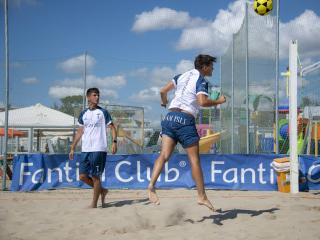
92	90
203	60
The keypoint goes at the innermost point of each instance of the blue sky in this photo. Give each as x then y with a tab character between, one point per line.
134	46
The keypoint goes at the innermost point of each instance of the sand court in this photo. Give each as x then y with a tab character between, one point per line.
127	214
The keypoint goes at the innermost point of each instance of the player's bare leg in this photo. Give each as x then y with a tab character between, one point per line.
167	148
104	192
86	179
193	154
96	191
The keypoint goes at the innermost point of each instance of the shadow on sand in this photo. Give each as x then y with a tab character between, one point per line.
126	202
232	214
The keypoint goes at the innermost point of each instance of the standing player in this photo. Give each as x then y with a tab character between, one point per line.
92	131
191	92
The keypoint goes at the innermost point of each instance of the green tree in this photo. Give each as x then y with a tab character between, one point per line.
206	115
70	105
256	101
305	101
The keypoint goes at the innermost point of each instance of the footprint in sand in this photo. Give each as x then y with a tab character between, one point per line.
175	218
313	208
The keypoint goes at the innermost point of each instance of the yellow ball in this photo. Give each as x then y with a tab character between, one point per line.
262	7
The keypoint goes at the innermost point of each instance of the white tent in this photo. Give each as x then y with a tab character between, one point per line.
50	121
37	116
311	112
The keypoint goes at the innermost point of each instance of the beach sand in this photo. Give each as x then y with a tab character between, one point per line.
63	214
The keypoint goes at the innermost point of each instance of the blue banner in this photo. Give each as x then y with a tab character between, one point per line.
238	172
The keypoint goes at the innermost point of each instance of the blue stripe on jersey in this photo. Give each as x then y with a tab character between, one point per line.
202	85
80	118
106	114
176	78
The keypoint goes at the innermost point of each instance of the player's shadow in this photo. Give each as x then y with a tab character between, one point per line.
232	214
126	202
316	193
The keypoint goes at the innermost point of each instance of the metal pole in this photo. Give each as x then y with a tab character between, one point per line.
232	96
220	108
293	126
247	78
6	95
277	79
84	81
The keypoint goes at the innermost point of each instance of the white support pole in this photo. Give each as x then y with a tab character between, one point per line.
277	79
30	140
293	126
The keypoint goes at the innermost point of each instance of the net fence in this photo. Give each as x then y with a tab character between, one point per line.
248	79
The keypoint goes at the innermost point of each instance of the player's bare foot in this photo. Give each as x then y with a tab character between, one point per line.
205	202
93	205
104	192
153	195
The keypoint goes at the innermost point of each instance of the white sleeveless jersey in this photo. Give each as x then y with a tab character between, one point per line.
188	86
94	122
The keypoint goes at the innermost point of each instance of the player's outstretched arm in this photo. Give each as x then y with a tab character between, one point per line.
204	101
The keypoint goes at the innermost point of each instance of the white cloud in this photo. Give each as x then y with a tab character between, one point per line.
159	76
18	3
64	91
304	28
108	94
210	36
260	89
140	73
303	82
307	61
17	65
106	85
262	35
77	64
30	80
99	82
164	18
184	65
147	108
146	95
215	36
104	102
